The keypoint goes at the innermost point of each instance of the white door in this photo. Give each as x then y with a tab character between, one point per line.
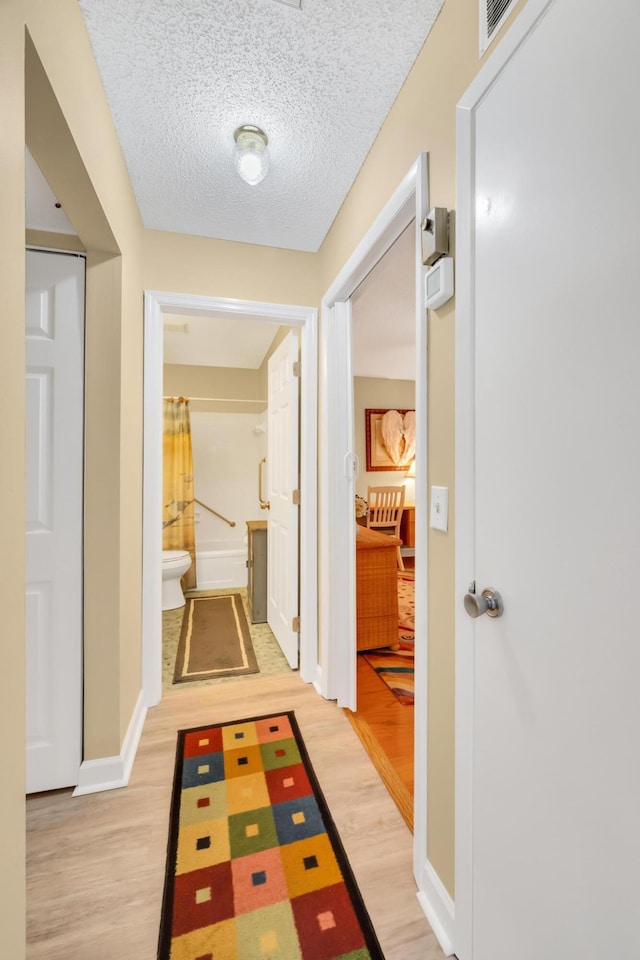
54	492
283	474
549	491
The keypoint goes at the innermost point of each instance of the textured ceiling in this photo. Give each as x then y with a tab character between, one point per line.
182	75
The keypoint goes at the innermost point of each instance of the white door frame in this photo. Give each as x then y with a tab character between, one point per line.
337	542
155	304
465	460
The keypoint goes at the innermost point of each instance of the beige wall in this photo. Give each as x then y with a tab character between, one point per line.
378	394
182	264
54	241
221	383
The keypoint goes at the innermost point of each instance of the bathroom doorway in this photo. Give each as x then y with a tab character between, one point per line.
240	386
159	306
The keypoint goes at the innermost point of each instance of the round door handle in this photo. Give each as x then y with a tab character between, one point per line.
489	602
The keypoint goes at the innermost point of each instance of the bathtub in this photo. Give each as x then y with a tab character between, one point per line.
221	564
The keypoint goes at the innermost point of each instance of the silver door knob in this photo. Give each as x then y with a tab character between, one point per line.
489	602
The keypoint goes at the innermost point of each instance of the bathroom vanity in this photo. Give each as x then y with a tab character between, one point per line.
257	570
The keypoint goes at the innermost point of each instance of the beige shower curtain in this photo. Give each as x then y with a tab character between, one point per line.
178	532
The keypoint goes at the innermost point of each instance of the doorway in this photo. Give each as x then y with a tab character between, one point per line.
240	386
157	304
410	202
384	369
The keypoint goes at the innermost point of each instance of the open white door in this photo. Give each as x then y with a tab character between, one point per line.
54	491
283	479
548	504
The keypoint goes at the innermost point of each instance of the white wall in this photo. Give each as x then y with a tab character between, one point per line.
226	453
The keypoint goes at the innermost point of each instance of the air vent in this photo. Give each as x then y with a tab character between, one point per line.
493	13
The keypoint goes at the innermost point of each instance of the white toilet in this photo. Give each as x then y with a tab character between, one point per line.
175	564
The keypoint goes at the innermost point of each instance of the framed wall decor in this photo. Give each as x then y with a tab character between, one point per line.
391	439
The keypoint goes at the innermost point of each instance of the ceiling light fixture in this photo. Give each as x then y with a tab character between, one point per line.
251	153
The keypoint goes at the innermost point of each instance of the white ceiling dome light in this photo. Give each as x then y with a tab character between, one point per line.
251	153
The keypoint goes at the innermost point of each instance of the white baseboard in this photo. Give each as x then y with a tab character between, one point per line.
109	773
317	682
438	907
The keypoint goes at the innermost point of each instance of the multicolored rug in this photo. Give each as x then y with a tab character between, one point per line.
215	640
255	867
395	667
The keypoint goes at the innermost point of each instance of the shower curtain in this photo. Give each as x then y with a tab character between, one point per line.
178	532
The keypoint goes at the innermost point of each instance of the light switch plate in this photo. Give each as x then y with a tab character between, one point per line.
439	514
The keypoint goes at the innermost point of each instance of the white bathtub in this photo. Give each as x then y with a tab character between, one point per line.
221	564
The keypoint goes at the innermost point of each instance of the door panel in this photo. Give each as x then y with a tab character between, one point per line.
54	448
283	480
556	784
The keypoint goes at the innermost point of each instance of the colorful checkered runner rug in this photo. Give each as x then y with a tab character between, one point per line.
255	867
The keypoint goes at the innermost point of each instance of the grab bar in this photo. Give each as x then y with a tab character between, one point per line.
264	504
231	523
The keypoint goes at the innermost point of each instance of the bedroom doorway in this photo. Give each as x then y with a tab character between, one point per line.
384	371
409	203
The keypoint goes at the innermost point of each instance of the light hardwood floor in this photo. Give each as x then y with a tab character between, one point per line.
95	864
385	727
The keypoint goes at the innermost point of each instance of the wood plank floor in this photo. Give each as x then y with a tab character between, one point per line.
95	864
385	727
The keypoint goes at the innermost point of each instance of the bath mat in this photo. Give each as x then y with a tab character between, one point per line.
255	866
215	640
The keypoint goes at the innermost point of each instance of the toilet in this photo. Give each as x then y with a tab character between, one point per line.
175	564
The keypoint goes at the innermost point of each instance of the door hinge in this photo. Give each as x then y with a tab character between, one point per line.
295	498
296	368
295	624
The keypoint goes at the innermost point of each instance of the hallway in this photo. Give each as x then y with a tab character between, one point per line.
95	863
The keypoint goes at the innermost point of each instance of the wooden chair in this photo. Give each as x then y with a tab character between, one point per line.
385	512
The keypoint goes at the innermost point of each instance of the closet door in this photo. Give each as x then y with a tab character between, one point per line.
54	494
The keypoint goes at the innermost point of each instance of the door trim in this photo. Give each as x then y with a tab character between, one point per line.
518	33
155	304
337	541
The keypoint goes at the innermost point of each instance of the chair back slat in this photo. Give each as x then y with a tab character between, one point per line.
385	511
